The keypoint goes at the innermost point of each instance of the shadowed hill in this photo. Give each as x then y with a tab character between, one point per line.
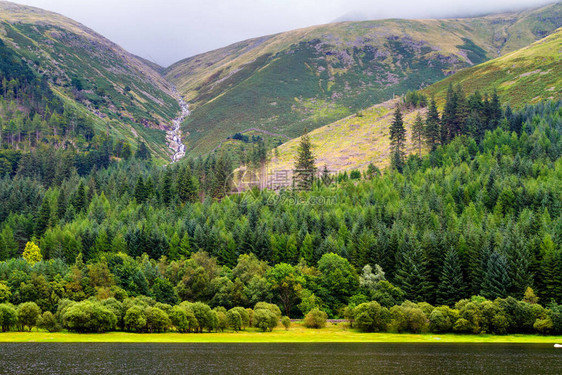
92	74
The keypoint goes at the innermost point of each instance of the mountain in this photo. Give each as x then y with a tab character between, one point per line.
125	95
526	76
311	77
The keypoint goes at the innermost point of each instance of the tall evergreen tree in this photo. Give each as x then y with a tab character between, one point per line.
44	218
461	113
143	152
398	140
140	190
432	131
305	164
79	202
411	275
167	187
495	111
9	246
451	286
418	133
448	121
186	188
496	281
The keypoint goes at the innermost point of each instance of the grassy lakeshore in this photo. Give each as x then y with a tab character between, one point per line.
297	333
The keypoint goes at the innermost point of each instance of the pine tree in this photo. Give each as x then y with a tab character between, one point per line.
398	140
307	249
118	244
451	285
305	165
418	133
432	131
222	171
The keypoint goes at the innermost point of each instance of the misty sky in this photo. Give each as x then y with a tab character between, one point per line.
166	31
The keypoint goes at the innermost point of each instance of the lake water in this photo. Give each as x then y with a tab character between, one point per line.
426	359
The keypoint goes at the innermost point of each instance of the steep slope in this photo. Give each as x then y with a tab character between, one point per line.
526	76
92	74
313	76
529	75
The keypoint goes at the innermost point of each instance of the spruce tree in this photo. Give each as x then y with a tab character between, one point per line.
411	275
140	190
143	152
495	111
167	187
448	121
305	164
496	281
186	188
9	244
79	201
451	285
174	247
432	131
222	176
398	140
461	114
43	219
185	246
418	133
61	205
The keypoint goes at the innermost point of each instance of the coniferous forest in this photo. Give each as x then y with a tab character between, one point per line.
479	215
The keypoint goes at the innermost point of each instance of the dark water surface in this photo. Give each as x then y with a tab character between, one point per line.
379	358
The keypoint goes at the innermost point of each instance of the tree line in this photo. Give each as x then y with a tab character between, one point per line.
461	116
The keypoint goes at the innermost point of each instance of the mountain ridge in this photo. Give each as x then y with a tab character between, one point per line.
518	77
316	75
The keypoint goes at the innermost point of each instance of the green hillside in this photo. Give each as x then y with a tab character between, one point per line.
526	76
314	76
117	90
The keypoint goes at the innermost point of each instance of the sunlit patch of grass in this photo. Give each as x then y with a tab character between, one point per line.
297	333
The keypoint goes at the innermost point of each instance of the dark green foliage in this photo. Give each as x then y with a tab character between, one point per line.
451	283
496	278
305	164
432	131
143	152
398	140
